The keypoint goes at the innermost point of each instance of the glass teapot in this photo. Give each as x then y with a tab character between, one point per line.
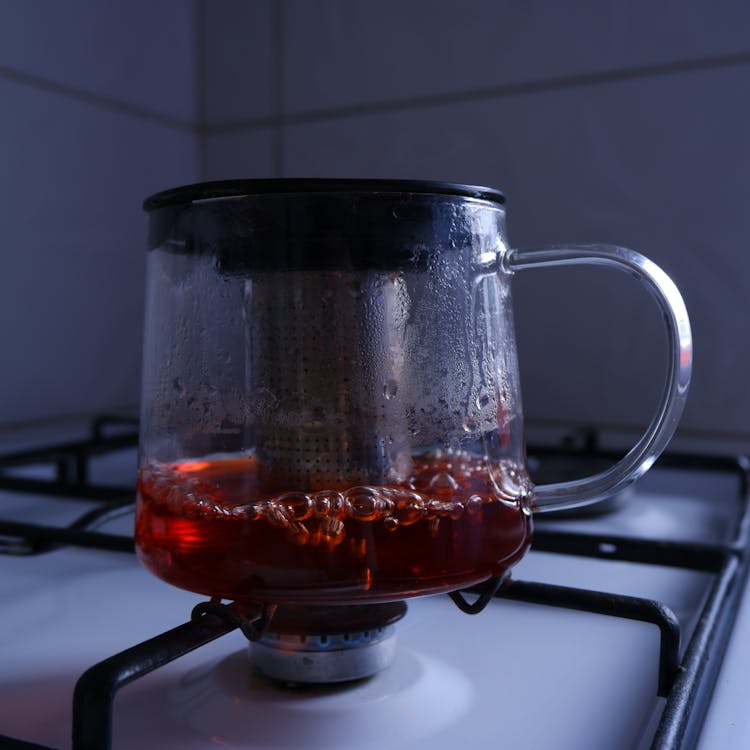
331	409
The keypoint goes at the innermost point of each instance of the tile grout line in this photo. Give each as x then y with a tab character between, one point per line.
540	86
97	100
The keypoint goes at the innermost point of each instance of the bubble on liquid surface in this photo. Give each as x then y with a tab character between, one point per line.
317	518
363	503
391	523
297	505
328	503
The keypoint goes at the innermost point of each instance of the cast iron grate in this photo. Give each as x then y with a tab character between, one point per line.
686	684
70	463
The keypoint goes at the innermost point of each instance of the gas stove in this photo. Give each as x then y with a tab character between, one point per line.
612	632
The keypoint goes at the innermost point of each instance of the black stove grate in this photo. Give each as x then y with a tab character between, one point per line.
686	684
70	463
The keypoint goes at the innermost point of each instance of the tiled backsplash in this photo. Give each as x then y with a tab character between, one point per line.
603	121
97	111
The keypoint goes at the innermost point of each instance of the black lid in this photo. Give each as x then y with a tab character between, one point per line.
256	225
235	188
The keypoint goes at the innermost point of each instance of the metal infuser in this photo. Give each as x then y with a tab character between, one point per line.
328	353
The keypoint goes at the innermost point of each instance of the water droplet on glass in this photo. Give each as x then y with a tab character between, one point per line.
483	400
390	389
179	387
471	425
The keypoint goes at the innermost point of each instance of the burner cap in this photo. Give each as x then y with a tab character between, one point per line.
323	645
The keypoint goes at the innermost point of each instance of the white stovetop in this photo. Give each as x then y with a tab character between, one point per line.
516	676
457	679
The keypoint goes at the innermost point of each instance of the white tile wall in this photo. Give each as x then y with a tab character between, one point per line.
239	39
656	159
97	112
139	52
241	154
339	53
659	164
74	237
619	122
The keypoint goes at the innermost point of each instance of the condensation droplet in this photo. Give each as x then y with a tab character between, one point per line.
483	400
390	388
471	425
179	387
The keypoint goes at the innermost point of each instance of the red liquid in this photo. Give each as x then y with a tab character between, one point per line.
205	526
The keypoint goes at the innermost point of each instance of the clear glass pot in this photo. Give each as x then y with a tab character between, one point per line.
331	408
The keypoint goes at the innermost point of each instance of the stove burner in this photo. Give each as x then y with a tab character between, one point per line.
340	657
322	645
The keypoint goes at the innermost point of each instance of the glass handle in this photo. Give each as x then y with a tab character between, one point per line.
643	454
